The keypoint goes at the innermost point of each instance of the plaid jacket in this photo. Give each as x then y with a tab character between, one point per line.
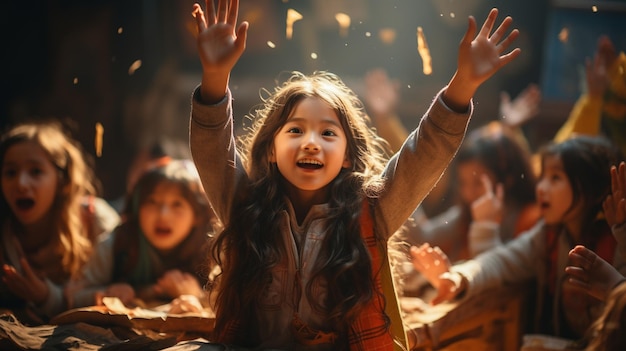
368	332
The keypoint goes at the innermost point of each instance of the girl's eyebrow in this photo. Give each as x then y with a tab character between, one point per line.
324	121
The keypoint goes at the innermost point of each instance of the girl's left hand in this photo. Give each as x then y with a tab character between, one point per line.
615	204
481	57
27	286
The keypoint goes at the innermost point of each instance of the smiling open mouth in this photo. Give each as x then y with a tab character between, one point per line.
25	204
310	164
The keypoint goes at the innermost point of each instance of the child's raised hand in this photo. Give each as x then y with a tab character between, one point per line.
591	274
220	44
488	207
480	57
615	204
28	285
435	266
382	94
521	109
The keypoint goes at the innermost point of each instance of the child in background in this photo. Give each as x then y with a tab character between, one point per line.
496	194
574	182
159	252
309	206
49	216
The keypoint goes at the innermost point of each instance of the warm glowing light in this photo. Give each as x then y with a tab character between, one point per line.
135	66
424	52
564	35
344	23
292	17
98	138
271	44
368	34
120	30
75	80
387	35
594	8
314	55
452	15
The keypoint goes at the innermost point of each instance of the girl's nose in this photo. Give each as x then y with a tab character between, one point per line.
23	180
311	144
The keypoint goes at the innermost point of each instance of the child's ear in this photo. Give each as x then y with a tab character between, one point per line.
346	162
272	156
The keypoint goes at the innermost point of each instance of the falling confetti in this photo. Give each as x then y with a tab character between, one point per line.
135	66
98	138
387	35
424	52
120	30
564	35
292	17
75	80
344	23
314	55
271	44
594	8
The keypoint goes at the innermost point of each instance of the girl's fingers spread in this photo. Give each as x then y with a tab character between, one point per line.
233	12
222	10
198	14
505	59
488	25
210	12
502	29
501	47
471	31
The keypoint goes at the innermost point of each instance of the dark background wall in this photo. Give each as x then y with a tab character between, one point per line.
72	60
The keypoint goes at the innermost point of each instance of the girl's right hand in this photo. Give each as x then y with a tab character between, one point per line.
219	45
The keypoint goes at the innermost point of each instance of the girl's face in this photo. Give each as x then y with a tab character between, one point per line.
166	217
470	185
29	182
310	149
554	193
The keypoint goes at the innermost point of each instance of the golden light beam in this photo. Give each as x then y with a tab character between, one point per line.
344	23
424	52
292	17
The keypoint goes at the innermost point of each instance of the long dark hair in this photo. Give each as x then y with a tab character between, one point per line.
76	181
251	242
136	262
587	161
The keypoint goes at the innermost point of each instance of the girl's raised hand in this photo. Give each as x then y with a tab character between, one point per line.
480	57
615	204
220	44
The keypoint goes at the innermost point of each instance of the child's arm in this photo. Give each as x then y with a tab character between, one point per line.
479	58
219	46
413	171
